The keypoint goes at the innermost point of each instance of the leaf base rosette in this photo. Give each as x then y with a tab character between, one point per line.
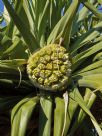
50	68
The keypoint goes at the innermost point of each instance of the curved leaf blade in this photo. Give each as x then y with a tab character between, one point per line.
89	99
78	98
63	27
26	33
21	115
45	116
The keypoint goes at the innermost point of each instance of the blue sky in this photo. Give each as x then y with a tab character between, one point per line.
1	6
1	10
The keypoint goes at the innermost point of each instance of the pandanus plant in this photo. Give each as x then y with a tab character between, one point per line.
51	57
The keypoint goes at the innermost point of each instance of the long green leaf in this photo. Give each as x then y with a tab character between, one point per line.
27	35
63	27
78	59
59	115
89	99
92	81
78	98
91	72
43	18
93	9
17	107
13	62
98	56
90	67
27	15
72	107
87	37
21	116
45	116
11	48
83	12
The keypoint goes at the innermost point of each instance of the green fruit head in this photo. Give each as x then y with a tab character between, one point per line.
50	68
